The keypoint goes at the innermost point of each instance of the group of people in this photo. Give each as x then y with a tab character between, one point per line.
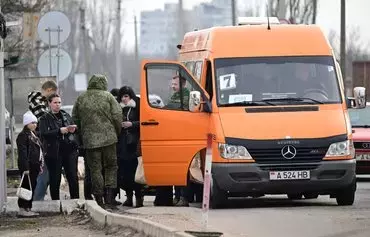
104	128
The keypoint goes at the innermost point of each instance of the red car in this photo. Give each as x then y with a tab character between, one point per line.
360	120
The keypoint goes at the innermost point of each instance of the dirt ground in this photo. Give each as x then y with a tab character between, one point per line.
76	225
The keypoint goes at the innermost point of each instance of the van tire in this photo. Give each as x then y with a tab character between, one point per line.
8	139
346	196
218	197
294	196
311	196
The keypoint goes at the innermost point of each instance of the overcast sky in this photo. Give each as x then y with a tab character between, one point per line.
328	14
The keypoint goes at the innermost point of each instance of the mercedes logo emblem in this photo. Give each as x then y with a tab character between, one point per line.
289	152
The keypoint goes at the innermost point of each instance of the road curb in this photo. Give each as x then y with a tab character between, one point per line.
48	206
147	227
99	215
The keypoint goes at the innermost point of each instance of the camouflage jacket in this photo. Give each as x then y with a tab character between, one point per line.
97	115
175	100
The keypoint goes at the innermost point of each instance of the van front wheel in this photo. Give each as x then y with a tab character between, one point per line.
346	196
218	197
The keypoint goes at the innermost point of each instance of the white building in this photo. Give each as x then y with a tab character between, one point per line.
160	28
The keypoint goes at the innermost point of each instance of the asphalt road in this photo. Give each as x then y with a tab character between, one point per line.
276	216
271	216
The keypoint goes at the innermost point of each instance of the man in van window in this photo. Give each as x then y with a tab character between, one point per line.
180	91
308	83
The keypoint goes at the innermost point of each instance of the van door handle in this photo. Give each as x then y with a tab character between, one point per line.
148	123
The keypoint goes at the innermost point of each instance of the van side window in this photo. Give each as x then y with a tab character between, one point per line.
198	70
209	84
172	85
190	66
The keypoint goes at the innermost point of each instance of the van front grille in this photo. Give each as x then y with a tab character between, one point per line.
303	155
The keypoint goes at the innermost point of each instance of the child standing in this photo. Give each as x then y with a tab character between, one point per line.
30	160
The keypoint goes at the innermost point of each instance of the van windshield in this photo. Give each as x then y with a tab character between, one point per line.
266	81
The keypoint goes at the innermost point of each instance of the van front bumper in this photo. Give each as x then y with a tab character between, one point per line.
251	178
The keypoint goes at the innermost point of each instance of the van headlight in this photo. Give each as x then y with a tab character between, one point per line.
234	152
344	148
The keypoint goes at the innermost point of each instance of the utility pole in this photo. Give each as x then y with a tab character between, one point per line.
118	45
85	40
136	42
343	39
233	13
3	192
314	13
180	21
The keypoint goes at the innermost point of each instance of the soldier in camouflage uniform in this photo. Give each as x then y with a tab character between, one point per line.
99	119
179	92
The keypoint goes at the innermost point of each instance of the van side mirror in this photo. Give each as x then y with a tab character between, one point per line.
194	101
359	94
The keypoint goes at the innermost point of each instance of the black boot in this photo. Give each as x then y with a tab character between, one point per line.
139	199
129	202
99	200
109	199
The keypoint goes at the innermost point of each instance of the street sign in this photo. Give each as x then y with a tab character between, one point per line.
54	28
61	64
30	22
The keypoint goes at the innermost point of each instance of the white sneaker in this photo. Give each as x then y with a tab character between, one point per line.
31	213
27	213
22	212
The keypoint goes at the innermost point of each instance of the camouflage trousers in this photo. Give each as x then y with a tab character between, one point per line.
99	159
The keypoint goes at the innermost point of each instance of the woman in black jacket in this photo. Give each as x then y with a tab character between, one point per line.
127	146
57	131
30	160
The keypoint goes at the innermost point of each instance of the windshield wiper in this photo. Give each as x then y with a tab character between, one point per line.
248	103
300	99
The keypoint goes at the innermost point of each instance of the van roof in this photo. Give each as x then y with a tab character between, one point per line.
258	41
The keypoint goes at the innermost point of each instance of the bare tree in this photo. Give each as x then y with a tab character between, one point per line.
100	29
299	11
356	49
14	43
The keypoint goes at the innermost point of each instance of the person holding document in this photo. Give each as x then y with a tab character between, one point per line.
61	147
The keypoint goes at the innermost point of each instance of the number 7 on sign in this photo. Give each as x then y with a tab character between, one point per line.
228	82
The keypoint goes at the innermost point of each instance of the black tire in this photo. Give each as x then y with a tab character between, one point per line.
218	197
295	196
346	196
8	136
311	196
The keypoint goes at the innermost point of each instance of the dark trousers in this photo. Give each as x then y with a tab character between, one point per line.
164	196
127	170
195	192
34	172
67	160
87	183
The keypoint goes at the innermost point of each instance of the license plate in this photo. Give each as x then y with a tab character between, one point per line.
289	175
363	156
